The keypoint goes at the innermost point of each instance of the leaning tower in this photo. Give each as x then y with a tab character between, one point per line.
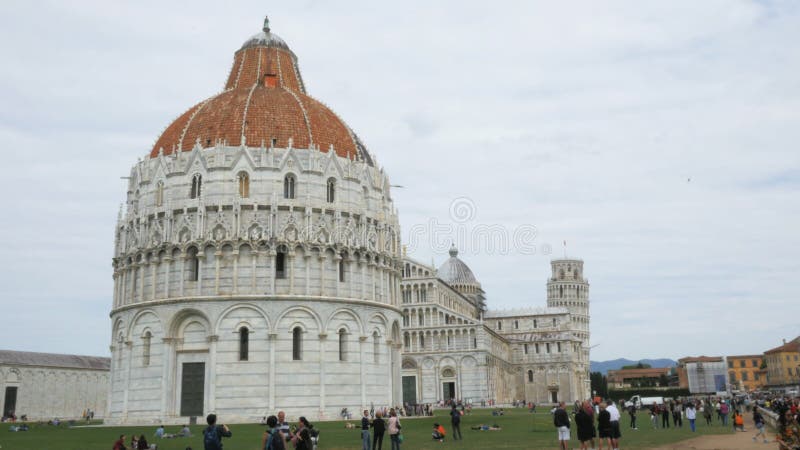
567	288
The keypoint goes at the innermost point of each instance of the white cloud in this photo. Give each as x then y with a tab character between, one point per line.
585	120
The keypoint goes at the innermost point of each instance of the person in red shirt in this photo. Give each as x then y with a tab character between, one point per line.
120	444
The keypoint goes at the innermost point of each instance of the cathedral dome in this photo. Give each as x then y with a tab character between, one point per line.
455	271
264	103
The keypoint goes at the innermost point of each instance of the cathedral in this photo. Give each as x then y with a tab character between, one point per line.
258	266
454	348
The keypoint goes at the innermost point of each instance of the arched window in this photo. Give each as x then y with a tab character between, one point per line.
547	348
422	319
341	270
499	325
558	347
561	292
244	184
407	271
146	349
280	264
376	347
331	190
530	376
197	184
193	263
297	344
244	343
422	341
555	322
160	193
474	343
534	323
288	186
536	348
516	324
342	344
525	348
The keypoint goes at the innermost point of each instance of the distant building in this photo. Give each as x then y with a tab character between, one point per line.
455	348
649	377
702	374
783	365
46	385
744	372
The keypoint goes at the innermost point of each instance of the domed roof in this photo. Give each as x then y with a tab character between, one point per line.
455	272
264	103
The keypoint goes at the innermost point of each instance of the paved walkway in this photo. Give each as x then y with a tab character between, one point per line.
732	441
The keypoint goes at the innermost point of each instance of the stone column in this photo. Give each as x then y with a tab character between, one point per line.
253	260
290	266
273	340
322	338
153	278
307	259
167	270
236	271
182	289
363	278
217	256
322	273
362	346
271	257
212	378
127	382
201	266
167	371
337	259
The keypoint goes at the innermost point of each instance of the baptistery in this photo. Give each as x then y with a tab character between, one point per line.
257	259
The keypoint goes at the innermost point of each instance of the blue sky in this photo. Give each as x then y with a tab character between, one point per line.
658	139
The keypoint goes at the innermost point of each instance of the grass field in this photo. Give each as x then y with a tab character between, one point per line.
521	430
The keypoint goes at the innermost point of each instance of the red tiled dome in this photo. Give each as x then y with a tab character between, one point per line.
264	102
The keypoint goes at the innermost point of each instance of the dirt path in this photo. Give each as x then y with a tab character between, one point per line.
732	441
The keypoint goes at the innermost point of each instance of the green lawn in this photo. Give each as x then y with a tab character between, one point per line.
521	430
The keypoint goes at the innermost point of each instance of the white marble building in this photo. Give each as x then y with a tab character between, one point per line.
44	386
454	348
257	261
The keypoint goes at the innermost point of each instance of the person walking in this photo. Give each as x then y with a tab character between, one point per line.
213	434
691	415
455	421
378	428
616	433
758	420
365	437
724	409
394	429
561	422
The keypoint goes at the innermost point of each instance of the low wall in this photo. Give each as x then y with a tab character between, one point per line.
770	417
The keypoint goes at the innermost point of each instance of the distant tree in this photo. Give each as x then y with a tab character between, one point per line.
599	384
763	364
663	381
639	365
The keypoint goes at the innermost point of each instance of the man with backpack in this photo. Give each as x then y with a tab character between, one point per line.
213	434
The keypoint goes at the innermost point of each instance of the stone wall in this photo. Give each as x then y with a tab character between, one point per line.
45	393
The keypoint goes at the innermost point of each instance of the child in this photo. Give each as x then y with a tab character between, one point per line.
438	432
738	421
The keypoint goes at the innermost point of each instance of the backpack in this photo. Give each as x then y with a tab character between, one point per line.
211	439
274	441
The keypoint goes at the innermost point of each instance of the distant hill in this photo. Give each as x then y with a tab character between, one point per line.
604	366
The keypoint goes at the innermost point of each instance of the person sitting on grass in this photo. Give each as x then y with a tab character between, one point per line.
438	432
120	443
185	432
160	432
484	427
